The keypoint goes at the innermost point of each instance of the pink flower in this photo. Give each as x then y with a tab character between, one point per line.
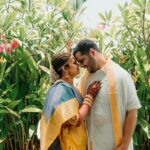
14	43
101	26
9	50
2	46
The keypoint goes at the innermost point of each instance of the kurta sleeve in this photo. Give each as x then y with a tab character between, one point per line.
132	98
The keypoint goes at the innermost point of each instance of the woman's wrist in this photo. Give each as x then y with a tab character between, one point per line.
89	96
88	100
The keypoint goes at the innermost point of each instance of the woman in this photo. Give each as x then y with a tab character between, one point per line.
62	123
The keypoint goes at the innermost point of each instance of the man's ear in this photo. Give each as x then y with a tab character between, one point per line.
92	52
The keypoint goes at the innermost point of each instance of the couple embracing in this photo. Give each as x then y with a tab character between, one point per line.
100	114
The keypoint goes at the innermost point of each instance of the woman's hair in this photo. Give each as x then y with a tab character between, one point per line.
58	60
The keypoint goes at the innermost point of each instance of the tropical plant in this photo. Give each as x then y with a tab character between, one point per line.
127	40
40	27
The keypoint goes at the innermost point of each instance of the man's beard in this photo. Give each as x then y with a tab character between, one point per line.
93	70
92	63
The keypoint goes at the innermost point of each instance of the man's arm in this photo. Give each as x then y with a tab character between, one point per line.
129	127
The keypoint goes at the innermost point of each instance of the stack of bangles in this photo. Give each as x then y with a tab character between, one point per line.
88	100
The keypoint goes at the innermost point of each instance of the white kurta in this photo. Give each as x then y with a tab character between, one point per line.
99	123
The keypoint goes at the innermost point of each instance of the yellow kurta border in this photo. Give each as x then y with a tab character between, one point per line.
113	103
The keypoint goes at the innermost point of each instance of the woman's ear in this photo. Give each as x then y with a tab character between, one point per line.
64	70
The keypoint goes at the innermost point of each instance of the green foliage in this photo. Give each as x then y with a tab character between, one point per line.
127	40
76	4
41	28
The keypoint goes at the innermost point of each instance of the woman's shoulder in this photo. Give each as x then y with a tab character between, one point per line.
63	84
60	87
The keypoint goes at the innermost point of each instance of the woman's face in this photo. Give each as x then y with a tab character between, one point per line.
73	69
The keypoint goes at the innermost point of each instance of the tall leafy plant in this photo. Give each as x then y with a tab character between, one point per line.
41	28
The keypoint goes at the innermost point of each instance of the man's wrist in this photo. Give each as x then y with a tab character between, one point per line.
124	146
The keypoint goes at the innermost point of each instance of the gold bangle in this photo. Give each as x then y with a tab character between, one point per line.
88	96
87	99
87	103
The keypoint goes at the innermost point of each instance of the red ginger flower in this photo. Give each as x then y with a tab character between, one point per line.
14	43
9	50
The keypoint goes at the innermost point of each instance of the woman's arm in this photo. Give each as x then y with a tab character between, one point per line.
92	92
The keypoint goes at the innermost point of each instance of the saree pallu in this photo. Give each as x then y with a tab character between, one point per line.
59	118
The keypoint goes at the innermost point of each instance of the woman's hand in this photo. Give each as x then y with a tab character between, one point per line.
94	88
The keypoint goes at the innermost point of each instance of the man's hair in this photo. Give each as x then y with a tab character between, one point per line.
84	46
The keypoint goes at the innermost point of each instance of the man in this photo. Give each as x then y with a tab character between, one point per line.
113	116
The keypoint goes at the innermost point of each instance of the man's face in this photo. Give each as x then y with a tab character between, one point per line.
86	61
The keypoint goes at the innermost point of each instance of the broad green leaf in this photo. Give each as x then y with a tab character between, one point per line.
31	130
138	2
8	21
10	68
102	16
30	61
13	104
3	112
2	68
32	35
145	126
12	112
110	15
1	3
2	140
120	8
44	69
136	138
32	109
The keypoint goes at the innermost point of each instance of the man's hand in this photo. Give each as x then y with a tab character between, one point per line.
121	147
129	127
